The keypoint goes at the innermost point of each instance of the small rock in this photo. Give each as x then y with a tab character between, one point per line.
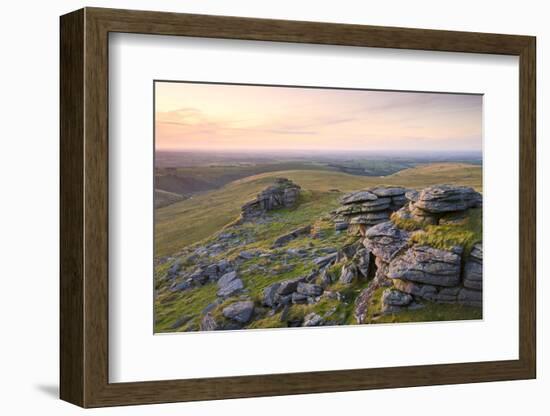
396	298
232	288
309	289
286	287
227	278
239	311
326	260
208	323
246	255
312	319
270	293
348	274
298	298
182	286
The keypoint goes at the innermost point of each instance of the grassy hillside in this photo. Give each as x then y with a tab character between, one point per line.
164	198
200	216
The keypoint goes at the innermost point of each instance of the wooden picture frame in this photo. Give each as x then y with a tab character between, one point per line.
84	207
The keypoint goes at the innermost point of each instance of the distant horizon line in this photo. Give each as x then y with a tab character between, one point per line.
233	150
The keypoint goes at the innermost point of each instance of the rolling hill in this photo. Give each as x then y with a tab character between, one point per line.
187	222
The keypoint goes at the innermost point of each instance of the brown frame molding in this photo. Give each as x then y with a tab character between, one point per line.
84	207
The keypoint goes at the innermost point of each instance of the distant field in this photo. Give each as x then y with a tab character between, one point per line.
193	179
200	216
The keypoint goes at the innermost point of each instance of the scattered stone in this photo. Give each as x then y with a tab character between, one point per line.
348	274
174	270
270	293
211	306
247	255
298	298
312	319
309	289
396	298
208	323
227	278
239	311
341	225
286	287
232	288
182	286
325	260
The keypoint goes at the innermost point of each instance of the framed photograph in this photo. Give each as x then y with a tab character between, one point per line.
257	207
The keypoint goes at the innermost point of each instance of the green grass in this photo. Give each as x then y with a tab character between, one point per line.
192	220
433	312
198	220
444	237
169	307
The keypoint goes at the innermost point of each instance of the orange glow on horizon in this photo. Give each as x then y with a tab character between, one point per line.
191	116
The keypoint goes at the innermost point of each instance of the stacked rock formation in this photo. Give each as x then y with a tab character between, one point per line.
369	207
434	203
283	194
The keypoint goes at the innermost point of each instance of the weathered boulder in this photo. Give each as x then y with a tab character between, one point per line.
269	295
360	196
231	288
396	298
298	298
385	191
473	269
447	198
385	240
227	278
286	287
283	194
182	286
239	311
309	289
428	265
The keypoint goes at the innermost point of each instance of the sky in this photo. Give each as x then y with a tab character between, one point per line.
192	116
